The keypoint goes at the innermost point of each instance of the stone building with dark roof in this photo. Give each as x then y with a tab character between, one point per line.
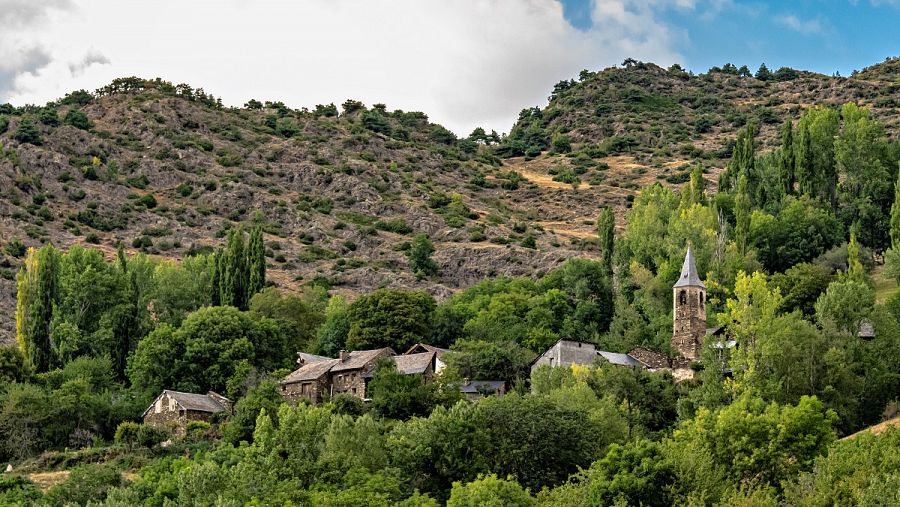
175	408
319	377
565	353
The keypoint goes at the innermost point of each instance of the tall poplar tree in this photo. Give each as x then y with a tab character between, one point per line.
37	293
895	214
216	267
855	269
742	161
256	262
695	191
234	274
742	216
804	171
606	224
786	160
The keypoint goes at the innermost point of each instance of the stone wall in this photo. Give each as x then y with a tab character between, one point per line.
351	382
313	390
690	321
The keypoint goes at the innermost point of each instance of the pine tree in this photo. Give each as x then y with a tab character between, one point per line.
256	262
786	160
37	292
742	216
420	261
895	215
606	224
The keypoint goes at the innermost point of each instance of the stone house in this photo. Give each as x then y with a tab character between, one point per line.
174	408
319	378
422	363
311	381
354	370
565	353
420	348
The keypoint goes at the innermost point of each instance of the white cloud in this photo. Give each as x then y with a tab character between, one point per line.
465	63
92	57
806	27
18	54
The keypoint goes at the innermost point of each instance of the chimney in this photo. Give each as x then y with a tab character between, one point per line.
344	355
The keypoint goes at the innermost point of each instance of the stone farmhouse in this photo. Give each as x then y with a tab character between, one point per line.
319	378
175	408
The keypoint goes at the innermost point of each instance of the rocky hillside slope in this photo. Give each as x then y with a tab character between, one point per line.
340	193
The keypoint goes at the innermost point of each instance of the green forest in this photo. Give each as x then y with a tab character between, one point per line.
794	244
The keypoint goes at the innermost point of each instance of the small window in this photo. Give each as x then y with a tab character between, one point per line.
701	299
682	298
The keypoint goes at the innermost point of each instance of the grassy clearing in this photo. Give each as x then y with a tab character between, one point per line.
884	286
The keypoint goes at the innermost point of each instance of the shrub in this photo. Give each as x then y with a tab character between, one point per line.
348	404
127	434
149	435
197	431
27	132
561	143
78	120
147	200
85	484
15	248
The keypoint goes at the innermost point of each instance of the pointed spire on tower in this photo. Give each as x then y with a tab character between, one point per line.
689	276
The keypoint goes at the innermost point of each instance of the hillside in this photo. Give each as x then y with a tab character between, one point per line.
167	170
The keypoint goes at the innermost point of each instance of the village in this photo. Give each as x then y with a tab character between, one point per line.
318	379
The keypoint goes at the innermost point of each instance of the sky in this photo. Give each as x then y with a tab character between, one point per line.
465	63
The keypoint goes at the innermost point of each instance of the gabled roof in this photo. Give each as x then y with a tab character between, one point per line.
360	358
191	401
414	363
619	359
479	386
310	371
424	347
689	276
304	358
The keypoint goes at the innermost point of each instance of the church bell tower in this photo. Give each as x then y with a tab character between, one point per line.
690	310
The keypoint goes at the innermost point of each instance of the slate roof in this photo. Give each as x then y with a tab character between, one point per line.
479	386
424	347
689	276
414	363
191	401
619	359
360	358
866	329
304	358
310	371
